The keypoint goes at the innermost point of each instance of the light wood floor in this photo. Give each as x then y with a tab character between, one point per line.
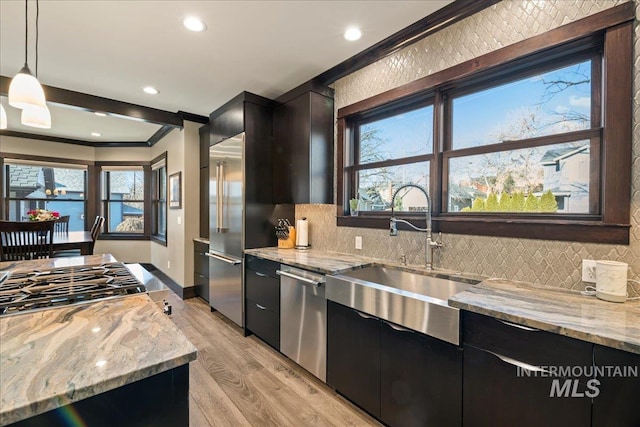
238	381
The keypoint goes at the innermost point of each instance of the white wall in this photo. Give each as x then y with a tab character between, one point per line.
176	259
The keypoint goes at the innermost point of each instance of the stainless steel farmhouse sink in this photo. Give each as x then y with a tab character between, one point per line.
413	300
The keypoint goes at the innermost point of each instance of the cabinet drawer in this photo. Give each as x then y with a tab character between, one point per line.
264	323
522	343
496	393
263	289
263	266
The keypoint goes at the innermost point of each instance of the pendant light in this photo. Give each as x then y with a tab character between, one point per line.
36	117
3	118
25	90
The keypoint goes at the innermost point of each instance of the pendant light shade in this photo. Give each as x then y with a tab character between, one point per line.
36	117
25	90
3	118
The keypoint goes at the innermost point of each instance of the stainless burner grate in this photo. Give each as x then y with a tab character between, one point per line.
29	290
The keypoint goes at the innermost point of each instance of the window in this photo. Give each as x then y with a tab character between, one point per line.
44	185
392	150
519	145
535	143
123	197
159	199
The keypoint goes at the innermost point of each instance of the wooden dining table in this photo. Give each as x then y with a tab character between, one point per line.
73	240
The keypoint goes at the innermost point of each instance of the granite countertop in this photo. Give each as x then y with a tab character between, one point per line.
558	310
54	357
312	259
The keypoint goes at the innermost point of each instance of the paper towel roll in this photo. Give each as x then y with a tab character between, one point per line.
302	236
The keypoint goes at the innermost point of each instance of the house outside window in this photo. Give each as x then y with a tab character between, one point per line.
52	186
123	194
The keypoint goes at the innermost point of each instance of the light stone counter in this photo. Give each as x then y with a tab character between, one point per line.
312	259
54	357
558	310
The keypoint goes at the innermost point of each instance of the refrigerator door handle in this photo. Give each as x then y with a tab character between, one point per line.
224	259
220	181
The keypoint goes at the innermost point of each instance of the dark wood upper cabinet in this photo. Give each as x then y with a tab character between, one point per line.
303	145
204	145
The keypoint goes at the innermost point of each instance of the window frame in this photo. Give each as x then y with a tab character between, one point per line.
614	29
38	161
101	203
158	167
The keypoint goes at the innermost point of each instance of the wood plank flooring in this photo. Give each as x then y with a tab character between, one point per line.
238	381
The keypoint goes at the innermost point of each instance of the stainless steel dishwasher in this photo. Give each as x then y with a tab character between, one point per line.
303	319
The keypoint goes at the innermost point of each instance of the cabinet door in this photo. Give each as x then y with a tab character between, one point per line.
353	356
421	381
497	393
618	394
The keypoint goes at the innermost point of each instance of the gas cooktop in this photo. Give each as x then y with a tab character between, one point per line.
27	290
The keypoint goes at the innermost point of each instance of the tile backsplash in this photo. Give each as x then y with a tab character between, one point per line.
552	263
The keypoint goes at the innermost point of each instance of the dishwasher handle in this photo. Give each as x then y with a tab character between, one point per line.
300	278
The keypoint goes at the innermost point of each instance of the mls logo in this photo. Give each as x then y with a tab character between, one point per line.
570	388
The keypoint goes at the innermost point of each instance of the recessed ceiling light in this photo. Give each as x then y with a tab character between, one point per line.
98	113
150	90
194	23
96	134
352	34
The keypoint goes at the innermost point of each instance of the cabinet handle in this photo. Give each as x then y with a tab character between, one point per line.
364	316
515	325
517	363
260	274
261	307
396	327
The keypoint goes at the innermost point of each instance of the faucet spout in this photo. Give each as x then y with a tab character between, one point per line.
430	243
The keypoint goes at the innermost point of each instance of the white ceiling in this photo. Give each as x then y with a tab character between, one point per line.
114	48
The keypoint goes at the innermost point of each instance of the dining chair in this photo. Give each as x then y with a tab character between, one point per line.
62	225
96	228
26	240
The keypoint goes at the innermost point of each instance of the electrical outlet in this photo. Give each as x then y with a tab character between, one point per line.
168	264
588	271
358	242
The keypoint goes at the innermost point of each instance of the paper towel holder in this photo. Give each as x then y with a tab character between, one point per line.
303	226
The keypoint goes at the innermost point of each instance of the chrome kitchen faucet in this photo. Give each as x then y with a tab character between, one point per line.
430	244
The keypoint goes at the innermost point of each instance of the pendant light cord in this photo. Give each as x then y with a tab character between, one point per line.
26	29
37	26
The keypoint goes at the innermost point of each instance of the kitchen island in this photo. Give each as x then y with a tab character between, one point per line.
118	359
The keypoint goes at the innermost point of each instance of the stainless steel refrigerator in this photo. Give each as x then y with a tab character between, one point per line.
226	226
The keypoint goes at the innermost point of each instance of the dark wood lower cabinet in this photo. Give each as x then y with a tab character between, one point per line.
498	391
399	376
421	379
353	356
616	403
495	394
161	400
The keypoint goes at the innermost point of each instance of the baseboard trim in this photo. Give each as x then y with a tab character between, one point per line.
184	293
